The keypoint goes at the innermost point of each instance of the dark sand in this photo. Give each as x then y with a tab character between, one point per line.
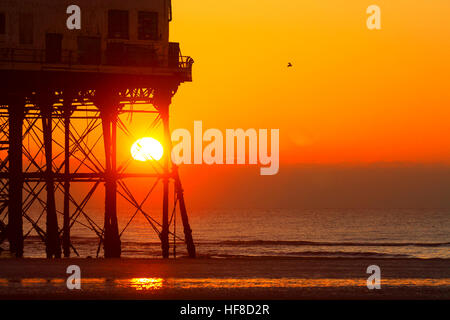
225	279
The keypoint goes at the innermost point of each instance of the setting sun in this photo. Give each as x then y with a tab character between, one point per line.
147	149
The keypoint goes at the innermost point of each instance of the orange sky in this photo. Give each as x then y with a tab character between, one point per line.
354	98
354	95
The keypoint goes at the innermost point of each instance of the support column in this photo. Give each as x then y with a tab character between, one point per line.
163	101
184	217
165	246
15	222
66	212
53	244
112	244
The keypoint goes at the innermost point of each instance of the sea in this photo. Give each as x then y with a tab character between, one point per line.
331	233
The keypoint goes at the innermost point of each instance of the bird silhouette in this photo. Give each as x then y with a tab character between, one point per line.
289	65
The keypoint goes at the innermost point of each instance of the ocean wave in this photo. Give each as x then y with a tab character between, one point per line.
343	254
243	243
311	254
331	244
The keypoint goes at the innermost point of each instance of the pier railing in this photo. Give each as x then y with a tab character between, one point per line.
125	56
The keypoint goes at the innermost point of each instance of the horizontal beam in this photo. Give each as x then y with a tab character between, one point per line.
84	177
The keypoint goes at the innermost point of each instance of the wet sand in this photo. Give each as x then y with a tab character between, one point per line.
249	278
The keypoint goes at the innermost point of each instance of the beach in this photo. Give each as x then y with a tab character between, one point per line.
286	254
245	278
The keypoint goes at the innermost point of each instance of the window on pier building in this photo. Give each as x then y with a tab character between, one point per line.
2	23
26	28
118	24
53	47
148	25
89	50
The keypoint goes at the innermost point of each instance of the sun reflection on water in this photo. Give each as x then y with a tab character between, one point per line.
145	283
156	284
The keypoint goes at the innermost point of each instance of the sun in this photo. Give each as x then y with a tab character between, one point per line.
147	149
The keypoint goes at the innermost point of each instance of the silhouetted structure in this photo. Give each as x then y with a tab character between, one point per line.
58	88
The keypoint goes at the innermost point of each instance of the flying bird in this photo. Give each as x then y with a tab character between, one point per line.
289	65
